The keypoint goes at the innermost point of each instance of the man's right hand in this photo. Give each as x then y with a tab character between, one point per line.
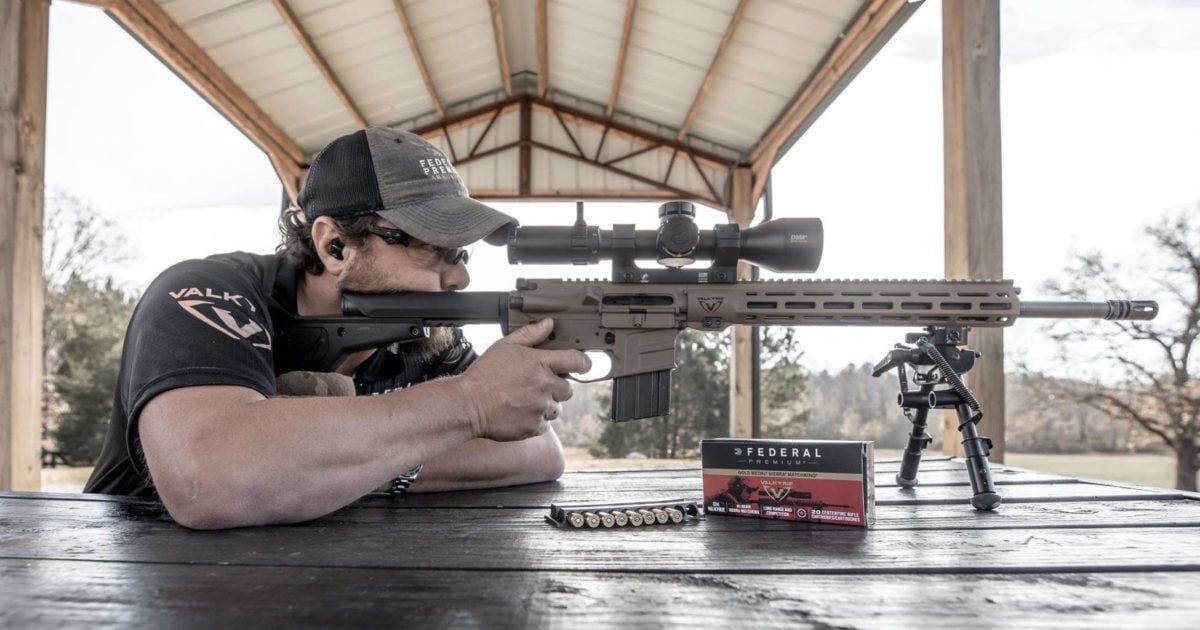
513	389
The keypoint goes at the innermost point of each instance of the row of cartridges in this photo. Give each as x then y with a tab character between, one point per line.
598	516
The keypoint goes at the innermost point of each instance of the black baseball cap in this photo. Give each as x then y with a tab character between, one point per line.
403	178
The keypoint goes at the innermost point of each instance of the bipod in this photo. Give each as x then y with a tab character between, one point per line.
938	358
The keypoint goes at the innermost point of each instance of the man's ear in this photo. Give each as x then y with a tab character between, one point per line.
331	247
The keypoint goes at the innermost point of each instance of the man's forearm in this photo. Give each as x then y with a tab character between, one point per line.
254	460
483	463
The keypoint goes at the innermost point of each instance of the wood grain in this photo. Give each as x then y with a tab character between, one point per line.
56	593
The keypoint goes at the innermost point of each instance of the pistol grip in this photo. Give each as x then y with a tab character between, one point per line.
640	396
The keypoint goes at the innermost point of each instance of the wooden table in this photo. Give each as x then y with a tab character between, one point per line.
1060	552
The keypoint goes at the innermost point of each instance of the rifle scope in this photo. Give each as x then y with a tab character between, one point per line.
781	245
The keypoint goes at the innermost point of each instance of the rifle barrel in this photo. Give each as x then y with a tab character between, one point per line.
1109	309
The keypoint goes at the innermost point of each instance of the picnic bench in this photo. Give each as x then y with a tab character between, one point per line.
1059	552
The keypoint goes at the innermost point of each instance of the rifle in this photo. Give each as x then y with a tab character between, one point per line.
635	317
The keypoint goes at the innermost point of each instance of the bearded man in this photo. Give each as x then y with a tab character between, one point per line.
200	421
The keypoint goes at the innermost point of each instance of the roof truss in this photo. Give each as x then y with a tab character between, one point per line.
150	24
703	181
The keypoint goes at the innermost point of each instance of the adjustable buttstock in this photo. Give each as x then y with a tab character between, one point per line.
640	396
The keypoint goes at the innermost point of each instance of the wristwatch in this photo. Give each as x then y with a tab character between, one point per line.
401	484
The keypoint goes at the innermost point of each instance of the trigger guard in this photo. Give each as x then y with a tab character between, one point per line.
612	368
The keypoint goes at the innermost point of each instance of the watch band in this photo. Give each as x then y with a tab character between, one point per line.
401	483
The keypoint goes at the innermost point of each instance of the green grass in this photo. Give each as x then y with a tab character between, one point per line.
1143	469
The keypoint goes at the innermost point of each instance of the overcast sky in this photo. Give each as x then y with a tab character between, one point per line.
1100	120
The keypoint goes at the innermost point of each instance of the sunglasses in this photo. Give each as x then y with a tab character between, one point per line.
425	253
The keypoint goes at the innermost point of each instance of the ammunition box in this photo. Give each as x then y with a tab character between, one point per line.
815	481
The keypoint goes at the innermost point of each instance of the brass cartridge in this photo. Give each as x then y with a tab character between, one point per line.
635	519
621	519
593	519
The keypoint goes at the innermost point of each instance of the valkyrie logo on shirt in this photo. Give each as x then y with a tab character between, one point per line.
221	319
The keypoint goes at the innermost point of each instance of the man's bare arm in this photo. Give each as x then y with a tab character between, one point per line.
484	463
224	456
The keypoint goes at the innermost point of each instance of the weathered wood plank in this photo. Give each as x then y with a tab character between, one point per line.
954	477
973	216
1162	513
540	495
57	593
24	27
518	540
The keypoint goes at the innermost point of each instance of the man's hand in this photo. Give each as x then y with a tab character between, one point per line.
514	388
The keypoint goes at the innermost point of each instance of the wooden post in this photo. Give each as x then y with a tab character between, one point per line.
24	30
741	409
973	212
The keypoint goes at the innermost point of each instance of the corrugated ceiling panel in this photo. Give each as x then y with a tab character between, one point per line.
364	43
583	40
519	40
459	47
250	41
775	49
671	45
231	23
184	11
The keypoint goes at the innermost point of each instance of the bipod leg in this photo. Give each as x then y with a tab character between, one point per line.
976	449
918	440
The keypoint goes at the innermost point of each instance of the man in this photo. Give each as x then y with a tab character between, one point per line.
197	417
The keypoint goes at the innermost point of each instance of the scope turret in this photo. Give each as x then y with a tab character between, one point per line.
783	245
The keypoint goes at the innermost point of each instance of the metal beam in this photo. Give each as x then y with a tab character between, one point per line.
596	121
525	159
541	28
151	26
973	212
861	40
527	104
679	192
630	9
709	76
24	30
418	58
306	42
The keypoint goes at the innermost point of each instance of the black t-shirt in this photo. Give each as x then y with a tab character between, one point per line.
209	322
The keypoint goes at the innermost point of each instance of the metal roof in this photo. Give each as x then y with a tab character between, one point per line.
531	98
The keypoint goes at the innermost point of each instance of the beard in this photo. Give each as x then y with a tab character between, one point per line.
363	277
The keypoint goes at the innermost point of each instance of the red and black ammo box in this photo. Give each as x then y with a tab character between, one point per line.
815	481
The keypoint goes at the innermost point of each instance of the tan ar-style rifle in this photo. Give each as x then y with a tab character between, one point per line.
636	316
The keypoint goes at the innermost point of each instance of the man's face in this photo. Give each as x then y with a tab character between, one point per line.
378	267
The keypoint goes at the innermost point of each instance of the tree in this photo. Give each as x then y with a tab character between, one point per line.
85	379
699	400
84	318
1156	360
785	413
